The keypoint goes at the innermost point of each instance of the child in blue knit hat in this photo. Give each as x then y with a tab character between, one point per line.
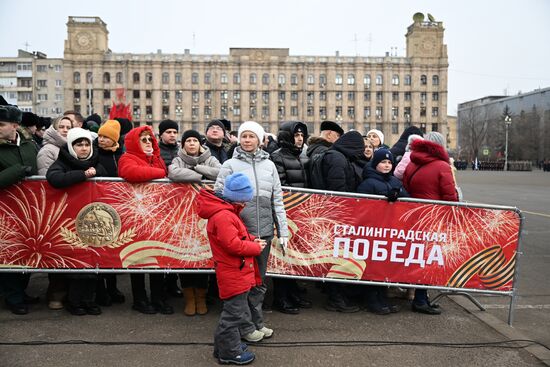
234	251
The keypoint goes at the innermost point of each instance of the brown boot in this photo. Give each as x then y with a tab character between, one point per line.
189	297
201	301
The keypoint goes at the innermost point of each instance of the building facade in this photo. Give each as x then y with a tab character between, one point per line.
482	128
262	84
33	82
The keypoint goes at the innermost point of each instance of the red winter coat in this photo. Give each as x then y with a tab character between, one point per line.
134	165
429	175
233	248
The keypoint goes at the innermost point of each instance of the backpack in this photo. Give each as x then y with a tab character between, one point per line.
316	176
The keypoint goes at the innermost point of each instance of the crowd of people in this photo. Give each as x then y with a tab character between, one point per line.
245	209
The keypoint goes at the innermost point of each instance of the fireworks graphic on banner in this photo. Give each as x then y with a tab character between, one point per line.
29	230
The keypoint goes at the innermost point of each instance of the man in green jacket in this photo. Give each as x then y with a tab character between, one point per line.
17	160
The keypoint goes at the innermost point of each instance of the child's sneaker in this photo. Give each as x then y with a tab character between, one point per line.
244	348
268	333
243	358
254	336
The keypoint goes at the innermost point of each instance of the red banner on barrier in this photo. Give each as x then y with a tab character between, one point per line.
101	224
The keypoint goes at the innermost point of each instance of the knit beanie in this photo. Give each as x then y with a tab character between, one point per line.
110	129
190	134
237	188
435	137
78	133
379	133
167	124
380	155
254	127
217	123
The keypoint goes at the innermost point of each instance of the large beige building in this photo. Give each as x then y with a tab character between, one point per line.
265	85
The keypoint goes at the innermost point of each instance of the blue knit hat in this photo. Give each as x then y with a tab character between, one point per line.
379	156
237	188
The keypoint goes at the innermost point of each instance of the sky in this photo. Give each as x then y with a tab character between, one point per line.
494	47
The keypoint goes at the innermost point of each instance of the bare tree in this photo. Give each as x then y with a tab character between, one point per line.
473	131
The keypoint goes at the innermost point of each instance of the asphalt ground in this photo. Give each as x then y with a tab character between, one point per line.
462	335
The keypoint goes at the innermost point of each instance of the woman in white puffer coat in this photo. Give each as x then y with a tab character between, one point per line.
54	138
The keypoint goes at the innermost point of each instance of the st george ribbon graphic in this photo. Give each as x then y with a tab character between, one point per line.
117	225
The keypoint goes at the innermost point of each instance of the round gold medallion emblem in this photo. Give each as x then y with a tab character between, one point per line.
98	224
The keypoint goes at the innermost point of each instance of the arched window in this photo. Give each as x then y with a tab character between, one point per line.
135	77
395	79
178	78
423	79
236	78
407	80
322	80
106	78
253	78
351	79
310	79
223	78
294	79
282	79
89	77
119	77
165	78
265	78
379	79
366	80
148	78
207	78
435	80
195	78
76	77
338	79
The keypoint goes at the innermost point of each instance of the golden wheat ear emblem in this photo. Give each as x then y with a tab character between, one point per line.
98	225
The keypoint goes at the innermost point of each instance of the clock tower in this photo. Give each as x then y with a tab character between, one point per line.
425	38
87	38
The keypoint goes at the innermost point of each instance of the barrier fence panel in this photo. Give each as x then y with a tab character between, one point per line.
112	225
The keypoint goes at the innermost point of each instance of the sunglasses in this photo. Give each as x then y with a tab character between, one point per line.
146	139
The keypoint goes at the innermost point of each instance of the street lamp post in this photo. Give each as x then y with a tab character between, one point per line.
507	122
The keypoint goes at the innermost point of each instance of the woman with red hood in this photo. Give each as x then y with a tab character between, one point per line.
140	163
429	176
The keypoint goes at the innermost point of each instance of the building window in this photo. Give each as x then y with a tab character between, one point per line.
294	111
310	111
177	78
58	68
223	78
118	77
106	78
379	112
379	79
323	112
135	77
253	97
223	95
322	80
135	94
41	68
41	83
394	113
395	128
395	79
366	96
435	127
282	79
351	112
338	111
395	96
310	79
366	112
379	126
195	78
207	78
407	113
435	96
435	111
423	111
207	111
179	96
236	95
236	78
338	79
195	111
351	96
223	111
423	97
252	112
148	94
236	111
294	79
281	112
351	79
435	80
423	80
265	112
42	97
423	128
265	97
59	97
310	97
322	96
149	78
106	94
165	96
379	97
89	77
76	77
265	79
282	97
165	78
407	80
338	96
366	80
294	96
252	78
407	96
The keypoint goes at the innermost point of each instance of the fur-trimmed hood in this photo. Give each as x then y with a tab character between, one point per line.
424	151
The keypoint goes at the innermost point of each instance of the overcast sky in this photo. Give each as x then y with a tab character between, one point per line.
495	47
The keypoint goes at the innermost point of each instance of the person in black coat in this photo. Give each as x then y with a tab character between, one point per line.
77	161
339	175
398	148
291	167
378	180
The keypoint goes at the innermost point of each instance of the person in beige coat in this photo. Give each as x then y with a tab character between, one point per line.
54	138
193	163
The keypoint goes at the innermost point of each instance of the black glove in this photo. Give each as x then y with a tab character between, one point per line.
392	195
27	170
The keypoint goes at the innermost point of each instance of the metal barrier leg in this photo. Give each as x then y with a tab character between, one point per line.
464	294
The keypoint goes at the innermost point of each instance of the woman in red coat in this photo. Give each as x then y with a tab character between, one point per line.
429	176
142	162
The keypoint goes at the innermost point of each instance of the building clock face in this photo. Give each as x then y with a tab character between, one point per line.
429	44
84	40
